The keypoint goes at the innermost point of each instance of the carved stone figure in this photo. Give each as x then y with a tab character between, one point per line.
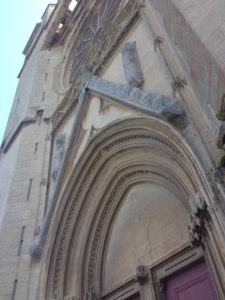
131	65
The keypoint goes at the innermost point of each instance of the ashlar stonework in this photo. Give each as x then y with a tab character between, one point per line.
112	163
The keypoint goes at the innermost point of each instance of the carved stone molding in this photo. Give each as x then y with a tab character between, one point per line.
67	229
155	104
220	172
217	186
158	40
178	83
142	274
97	236
65	236
220	142
70	298
90	296
66	298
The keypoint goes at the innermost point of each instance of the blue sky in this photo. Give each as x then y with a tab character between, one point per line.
18	19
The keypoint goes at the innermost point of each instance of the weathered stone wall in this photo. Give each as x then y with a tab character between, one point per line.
7	171
156	75
37	88
24	171
196	33
24	208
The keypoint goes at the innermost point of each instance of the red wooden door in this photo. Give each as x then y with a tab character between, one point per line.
192	284
134	297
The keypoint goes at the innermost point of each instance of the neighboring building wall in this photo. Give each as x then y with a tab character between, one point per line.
7	171
24	161
24	209
194	31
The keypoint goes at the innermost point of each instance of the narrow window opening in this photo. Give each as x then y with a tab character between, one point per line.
72	5
15	105
29	189
39	117
14	289
59	28
35	148
223	142
3	145
21	241
39	120
43	96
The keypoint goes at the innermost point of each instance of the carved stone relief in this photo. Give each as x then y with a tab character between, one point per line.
131	65
153	103
197	226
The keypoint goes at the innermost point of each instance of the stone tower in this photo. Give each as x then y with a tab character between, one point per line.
112	164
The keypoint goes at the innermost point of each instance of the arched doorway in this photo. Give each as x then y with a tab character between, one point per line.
126	208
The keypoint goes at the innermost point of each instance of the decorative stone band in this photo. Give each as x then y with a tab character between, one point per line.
66	298
154	104
88	296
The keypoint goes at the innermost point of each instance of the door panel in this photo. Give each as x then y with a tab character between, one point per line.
192	284
134	297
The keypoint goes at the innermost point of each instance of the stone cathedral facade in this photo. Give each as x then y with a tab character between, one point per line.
113	165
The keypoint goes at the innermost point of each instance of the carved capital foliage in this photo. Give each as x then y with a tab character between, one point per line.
70	298
217	184
197	226
220	172
90	296
66	298
142	274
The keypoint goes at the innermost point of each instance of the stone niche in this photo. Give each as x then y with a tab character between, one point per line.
151	223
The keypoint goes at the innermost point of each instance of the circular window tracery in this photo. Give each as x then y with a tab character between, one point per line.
96	37
99	35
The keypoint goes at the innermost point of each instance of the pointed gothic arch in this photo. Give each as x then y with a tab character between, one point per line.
142	149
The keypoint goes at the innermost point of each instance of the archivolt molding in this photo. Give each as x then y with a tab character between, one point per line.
127	138
91	280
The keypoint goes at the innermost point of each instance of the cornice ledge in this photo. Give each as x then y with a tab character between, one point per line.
160	106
